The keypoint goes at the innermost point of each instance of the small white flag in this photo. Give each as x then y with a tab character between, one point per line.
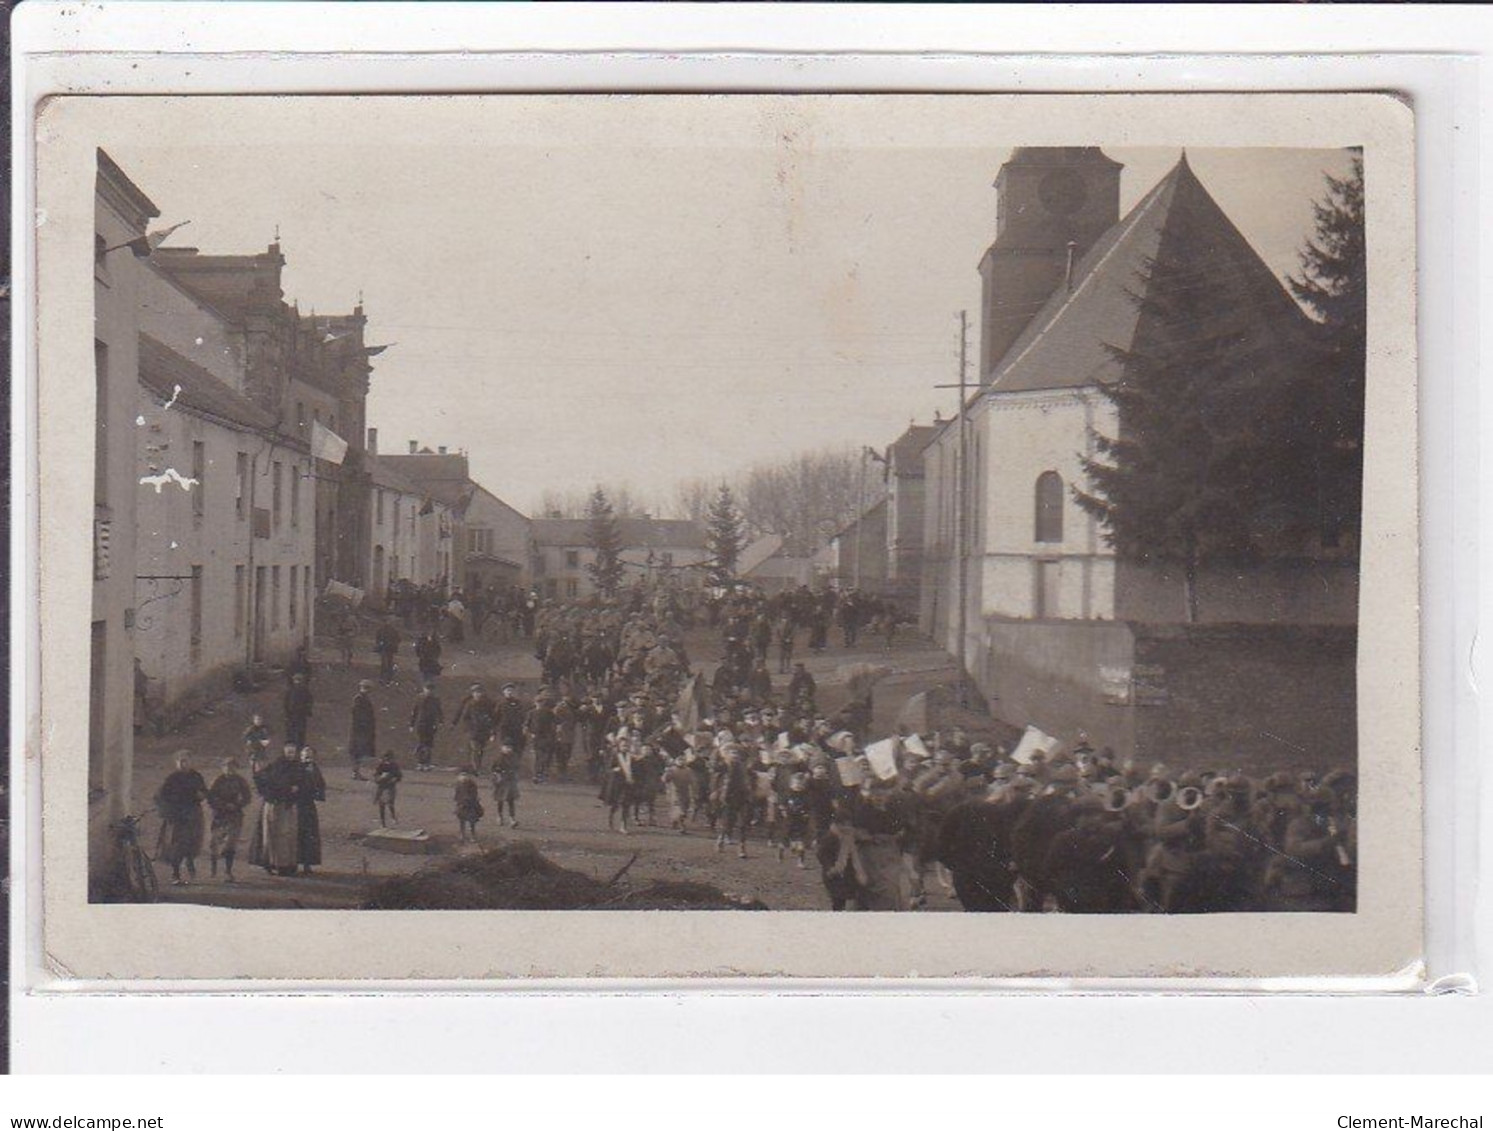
1034	741
883	758
326	444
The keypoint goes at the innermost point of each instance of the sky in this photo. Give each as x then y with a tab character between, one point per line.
643	289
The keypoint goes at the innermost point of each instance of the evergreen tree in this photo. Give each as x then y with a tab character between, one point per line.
724	536
605	539
1197	473
1334	287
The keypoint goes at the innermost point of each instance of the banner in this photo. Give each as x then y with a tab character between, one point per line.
883	758
1034	741
691	704
326	444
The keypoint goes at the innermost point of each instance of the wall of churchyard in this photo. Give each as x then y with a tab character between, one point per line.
1257	698
1253	698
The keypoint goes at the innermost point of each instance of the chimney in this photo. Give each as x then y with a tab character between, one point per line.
1068	271
442	449
414	446
373	441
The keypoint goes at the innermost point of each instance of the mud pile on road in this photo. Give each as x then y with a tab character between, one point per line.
518	877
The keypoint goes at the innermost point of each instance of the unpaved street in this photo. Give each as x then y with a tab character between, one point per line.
566	821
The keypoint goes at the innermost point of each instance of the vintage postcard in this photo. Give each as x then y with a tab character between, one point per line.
728	537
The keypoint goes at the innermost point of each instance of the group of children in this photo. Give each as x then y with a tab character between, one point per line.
469	809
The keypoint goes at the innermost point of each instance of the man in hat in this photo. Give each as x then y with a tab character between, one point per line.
227	798
479	713
363	736
512	715
1084	863
802	690
386	644
425	721
540	729
298	707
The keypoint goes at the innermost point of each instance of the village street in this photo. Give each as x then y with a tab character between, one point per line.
565	820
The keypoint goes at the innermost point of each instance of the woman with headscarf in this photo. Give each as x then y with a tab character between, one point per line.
274	843
180	805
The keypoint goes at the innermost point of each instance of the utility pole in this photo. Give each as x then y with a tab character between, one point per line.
961	478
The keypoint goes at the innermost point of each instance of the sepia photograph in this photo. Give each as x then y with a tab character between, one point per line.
726	504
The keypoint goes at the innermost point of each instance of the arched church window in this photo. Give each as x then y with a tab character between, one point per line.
1049	507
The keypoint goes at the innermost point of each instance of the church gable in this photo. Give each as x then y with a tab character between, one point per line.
1071	342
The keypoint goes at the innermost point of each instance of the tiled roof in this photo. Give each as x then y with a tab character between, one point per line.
163	370
1068	343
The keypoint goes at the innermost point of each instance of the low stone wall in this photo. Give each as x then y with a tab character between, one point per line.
1255	698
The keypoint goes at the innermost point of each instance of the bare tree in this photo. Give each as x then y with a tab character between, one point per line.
626	502
804	498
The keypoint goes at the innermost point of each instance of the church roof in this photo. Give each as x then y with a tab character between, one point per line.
1067	345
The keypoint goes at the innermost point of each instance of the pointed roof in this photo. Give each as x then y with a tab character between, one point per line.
1066	346
757	552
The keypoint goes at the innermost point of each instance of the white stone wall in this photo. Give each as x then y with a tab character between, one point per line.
174	537
116	290
1026	435
413	546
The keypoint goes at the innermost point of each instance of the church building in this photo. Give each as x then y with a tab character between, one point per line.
1061	632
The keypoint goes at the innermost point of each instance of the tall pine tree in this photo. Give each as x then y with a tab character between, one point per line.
605	539
1196	474
1333	286
724	536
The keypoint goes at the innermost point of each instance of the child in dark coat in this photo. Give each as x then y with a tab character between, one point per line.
468	806
386	778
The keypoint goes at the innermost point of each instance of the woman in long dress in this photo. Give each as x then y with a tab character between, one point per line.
313	788
273	845
180	805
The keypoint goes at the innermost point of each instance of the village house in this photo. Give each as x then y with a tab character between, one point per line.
1061	633
306	371
121	213
413	534
489	540
653	549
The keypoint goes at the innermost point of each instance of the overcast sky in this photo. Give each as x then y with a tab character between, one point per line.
643	289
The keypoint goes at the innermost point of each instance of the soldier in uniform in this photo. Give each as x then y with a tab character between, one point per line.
480	714
426	718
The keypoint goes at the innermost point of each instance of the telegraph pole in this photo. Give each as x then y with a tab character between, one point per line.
961	476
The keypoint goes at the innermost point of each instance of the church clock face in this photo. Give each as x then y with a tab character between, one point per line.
1062	191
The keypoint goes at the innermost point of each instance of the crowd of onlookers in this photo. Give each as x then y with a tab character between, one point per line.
745	756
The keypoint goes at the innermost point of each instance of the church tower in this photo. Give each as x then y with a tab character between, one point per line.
1052	205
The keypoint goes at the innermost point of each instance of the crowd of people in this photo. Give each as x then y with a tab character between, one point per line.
744	758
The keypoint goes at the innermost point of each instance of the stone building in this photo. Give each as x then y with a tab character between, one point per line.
903	473
1060	632
671	551
489	539
304	370
413	534
121	213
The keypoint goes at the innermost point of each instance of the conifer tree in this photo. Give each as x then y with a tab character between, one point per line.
723	536
1333	286
1197	473
605	539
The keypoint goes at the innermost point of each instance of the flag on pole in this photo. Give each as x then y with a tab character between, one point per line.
142	246
326	444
